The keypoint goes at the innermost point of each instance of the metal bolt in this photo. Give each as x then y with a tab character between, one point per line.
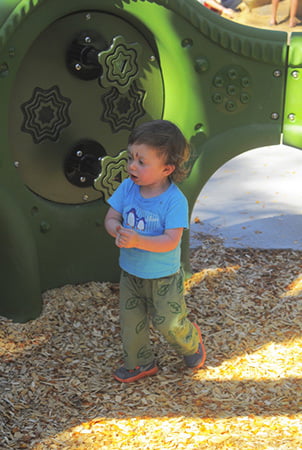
233	74
245	82
82	179
79	153
44	227
198	127
87	39
217	98
230	106
275	116
295	74
11	52
88	16
277	73
231	89
187	43
17	164
78	67
244	97
85	197
218	81
201	65
292	117
3	70
152	58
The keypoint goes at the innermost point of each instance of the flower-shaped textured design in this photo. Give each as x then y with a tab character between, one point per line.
114	171
123	110
46	114
231	89
120	64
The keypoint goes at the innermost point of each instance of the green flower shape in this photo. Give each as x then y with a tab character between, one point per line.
114	171
120	64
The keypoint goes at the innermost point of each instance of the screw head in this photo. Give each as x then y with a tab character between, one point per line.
244	97
277	73
78	67
275	116
295	74
218	81
201	65
292	117
198	127
217	98
11	51
232	73
79	153
187	43
3	69
230	106
44	227
245	82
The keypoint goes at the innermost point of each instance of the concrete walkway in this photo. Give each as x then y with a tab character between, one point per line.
257	13
254	200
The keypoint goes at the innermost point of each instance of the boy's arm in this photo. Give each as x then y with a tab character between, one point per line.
165	242
113	220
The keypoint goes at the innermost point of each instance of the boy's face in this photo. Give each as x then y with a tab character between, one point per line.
146	166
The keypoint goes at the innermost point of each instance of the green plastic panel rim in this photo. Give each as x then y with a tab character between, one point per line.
260	45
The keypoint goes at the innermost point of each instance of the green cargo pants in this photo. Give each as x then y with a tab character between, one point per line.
162	301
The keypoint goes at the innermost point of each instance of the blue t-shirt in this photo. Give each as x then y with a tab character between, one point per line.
151	217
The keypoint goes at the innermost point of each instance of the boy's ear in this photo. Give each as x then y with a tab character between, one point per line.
169	168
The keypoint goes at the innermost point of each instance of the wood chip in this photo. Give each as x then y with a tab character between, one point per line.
57	390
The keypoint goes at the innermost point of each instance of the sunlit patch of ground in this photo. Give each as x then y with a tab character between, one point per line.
56	371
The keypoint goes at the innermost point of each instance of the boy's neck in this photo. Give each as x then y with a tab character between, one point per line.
155	190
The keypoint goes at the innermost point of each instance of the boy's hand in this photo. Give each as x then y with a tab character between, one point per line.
126	237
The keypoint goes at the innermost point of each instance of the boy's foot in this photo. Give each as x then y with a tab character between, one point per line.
196	360
127	376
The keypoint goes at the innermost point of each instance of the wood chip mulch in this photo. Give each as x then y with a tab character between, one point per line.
57	390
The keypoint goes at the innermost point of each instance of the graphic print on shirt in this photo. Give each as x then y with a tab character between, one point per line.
134	221
143	221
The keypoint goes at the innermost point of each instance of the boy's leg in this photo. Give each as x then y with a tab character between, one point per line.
169	316
134	323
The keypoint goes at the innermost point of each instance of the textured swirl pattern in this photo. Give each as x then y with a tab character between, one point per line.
46	114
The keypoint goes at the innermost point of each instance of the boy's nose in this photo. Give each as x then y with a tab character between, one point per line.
131	165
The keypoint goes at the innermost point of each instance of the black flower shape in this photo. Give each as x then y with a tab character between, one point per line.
122	111
46	114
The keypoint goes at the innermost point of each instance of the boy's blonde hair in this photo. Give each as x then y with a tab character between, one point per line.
170	142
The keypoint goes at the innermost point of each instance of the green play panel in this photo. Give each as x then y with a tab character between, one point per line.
76	77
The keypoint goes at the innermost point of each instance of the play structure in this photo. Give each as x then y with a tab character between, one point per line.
76	76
